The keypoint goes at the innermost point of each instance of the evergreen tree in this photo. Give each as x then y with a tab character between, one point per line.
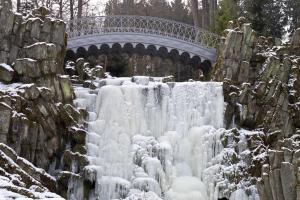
160	8
266	16
228	11
180	12
293	14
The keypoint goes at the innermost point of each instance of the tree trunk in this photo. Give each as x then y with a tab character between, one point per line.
80	5
195	12
71	10
205	14
18	5
212	13
60	9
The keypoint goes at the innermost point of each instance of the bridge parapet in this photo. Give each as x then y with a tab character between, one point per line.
122	24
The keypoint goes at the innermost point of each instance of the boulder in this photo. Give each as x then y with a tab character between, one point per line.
79	66
27	67
78	135
41	51
6	73
89	84
71	71
71	159
98	71
31	92
63	181
89	174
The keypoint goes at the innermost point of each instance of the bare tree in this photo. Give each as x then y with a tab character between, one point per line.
195	12
71	9
80	8
18	5
213	7
205	14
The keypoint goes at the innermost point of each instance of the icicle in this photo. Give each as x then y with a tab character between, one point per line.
154	139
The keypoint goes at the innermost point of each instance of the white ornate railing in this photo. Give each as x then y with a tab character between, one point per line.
141	24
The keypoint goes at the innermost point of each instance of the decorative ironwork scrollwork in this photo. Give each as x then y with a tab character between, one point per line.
144	25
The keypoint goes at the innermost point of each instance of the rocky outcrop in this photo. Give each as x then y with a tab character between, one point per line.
37	117
21	179
260	82
280	175
241	163
34	125
81	72
261	89
6	73
20	36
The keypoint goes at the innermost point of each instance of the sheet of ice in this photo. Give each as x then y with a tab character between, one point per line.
239	195
155	137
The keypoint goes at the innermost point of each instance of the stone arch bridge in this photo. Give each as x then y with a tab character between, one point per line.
138	34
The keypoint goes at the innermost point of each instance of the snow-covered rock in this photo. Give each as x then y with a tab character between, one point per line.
19	179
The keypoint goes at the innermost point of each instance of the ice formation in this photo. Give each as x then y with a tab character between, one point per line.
154	140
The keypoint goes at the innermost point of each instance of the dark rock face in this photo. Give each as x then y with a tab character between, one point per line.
37	118
81	72
260	82
280	177
261	89
143	63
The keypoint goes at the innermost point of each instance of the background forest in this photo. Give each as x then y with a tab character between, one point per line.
275	18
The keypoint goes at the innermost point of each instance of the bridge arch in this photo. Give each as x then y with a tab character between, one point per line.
165	35
92	50
128	48
196	62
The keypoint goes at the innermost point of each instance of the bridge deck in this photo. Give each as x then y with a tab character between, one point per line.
144	30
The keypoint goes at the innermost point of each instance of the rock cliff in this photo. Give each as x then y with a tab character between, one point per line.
37	118
261	88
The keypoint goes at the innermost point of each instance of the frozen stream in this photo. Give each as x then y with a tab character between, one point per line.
152	140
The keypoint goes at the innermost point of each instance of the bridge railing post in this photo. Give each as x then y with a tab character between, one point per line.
121	23
197	33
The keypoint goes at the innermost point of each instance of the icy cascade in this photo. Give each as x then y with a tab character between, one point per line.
154	140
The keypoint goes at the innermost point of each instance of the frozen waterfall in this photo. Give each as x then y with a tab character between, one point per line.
154	140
